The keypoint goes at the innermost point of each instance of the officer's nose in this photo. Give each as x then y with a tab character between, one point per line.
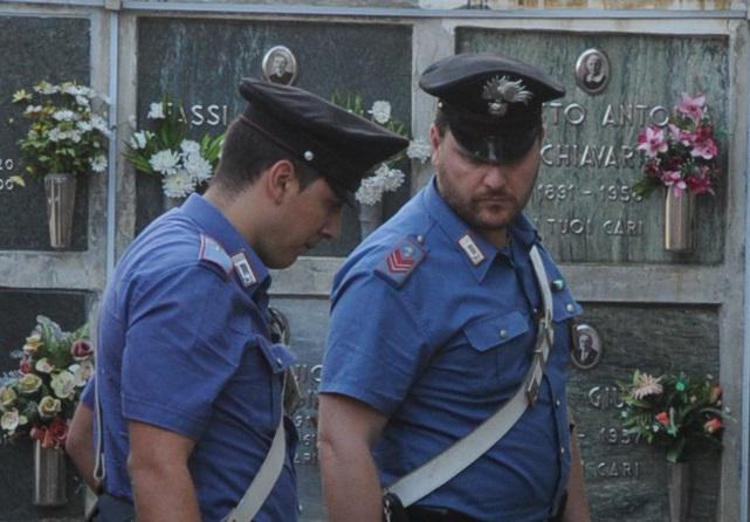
332	226
495	177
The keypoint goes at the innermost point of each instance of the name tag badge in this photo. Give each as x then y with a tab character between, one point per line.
471	249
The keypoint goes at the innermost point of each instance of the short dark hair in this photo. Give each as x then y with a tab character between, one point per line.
246	153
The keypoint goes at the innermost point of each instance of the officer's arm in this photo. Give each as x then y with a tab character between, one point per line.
80	444
158	466
347	431
577	508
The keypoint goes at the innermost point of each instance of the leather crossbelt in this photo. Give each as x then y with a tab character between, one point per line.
443	467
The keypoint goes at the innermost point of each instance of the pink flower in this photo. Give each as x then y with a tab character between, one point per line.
713	426
652	141
25	366
700	182
680	136
704	145
663	419
674	177
692	107
81	350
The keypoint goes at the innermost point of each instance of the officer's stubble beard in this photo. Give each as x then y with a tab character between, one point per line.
468	211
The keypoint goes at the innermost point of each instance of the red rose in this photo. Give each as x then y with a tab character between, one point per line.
58	431
663	418
48	441
38	433
25	366
81	350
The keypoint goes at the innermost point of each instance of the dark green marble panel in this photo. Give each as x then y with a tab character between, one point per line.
647	70
19	310
201	62
34	49
626	482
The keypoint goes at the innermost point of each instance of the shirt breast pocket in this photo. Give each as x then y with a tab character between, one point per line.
488	350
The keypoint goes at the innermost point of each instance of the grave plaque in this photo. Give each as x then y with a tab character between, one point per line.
18	318
35	49
583	204
201	62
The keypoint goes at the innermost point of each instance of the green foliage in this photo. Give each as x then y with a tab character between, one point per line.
681	413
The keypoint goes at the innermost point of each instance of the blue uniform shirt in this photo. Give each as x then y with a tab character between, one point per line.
438	342
184	346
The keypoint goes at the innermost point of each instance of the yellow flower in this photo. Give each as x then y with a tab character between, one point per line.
49	407
21	96
7	397
29	383
33	343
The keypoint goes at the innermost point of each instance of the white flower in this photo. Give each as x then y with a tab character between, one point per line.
419	149
82	372
100	124
63	384
56	135
370	191
46	88
74	136
156	111
49	407
381	111
11	419
190	146
43	365
83	101
32	109
392	180
197	166
64	115
138	140
178	185
84	126
165	162
99	163
646	385
132	121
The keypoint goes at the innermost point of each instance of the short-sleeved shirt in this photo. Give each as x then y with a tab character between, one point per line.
439	341
184	346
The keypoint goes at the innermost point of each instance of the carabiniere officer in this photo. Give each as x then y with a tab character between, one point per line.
188	381
437	323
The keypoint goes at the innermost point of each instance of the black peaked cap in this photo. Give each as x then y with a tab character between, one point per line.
492	103
341	146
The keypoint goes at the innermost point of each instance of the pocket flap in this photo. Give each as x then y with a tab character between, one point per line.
278	355
494	331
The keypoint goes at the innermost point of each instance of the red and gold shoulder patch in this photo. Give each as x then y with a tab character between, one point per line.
401	261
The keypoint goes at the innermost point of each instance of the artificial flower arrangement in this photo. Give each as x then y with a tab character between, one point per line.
40	397
674	411
386	178
683	154
68	131
165	150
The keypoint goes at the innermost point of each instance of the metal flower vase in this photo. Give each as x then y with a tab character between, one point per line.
49	476
370	218
678	483
678	220
60	190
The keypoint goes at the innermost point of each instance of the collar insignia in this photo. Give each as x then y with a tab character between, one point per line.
500	91
471	249
244	270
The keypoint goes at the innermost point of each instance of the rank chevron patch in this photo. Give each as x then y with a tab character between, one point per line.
401	261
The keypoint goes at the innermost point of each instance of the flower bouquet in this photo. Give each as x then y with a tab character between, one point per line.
673	411
68	131
165	150
683	158
40	397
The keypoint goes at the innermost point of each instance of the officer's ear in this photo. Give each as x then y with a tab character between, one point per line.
436	138
281	181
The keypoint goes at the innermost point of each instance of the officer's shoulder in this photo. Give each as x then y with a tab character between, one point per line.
212	255
402	259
